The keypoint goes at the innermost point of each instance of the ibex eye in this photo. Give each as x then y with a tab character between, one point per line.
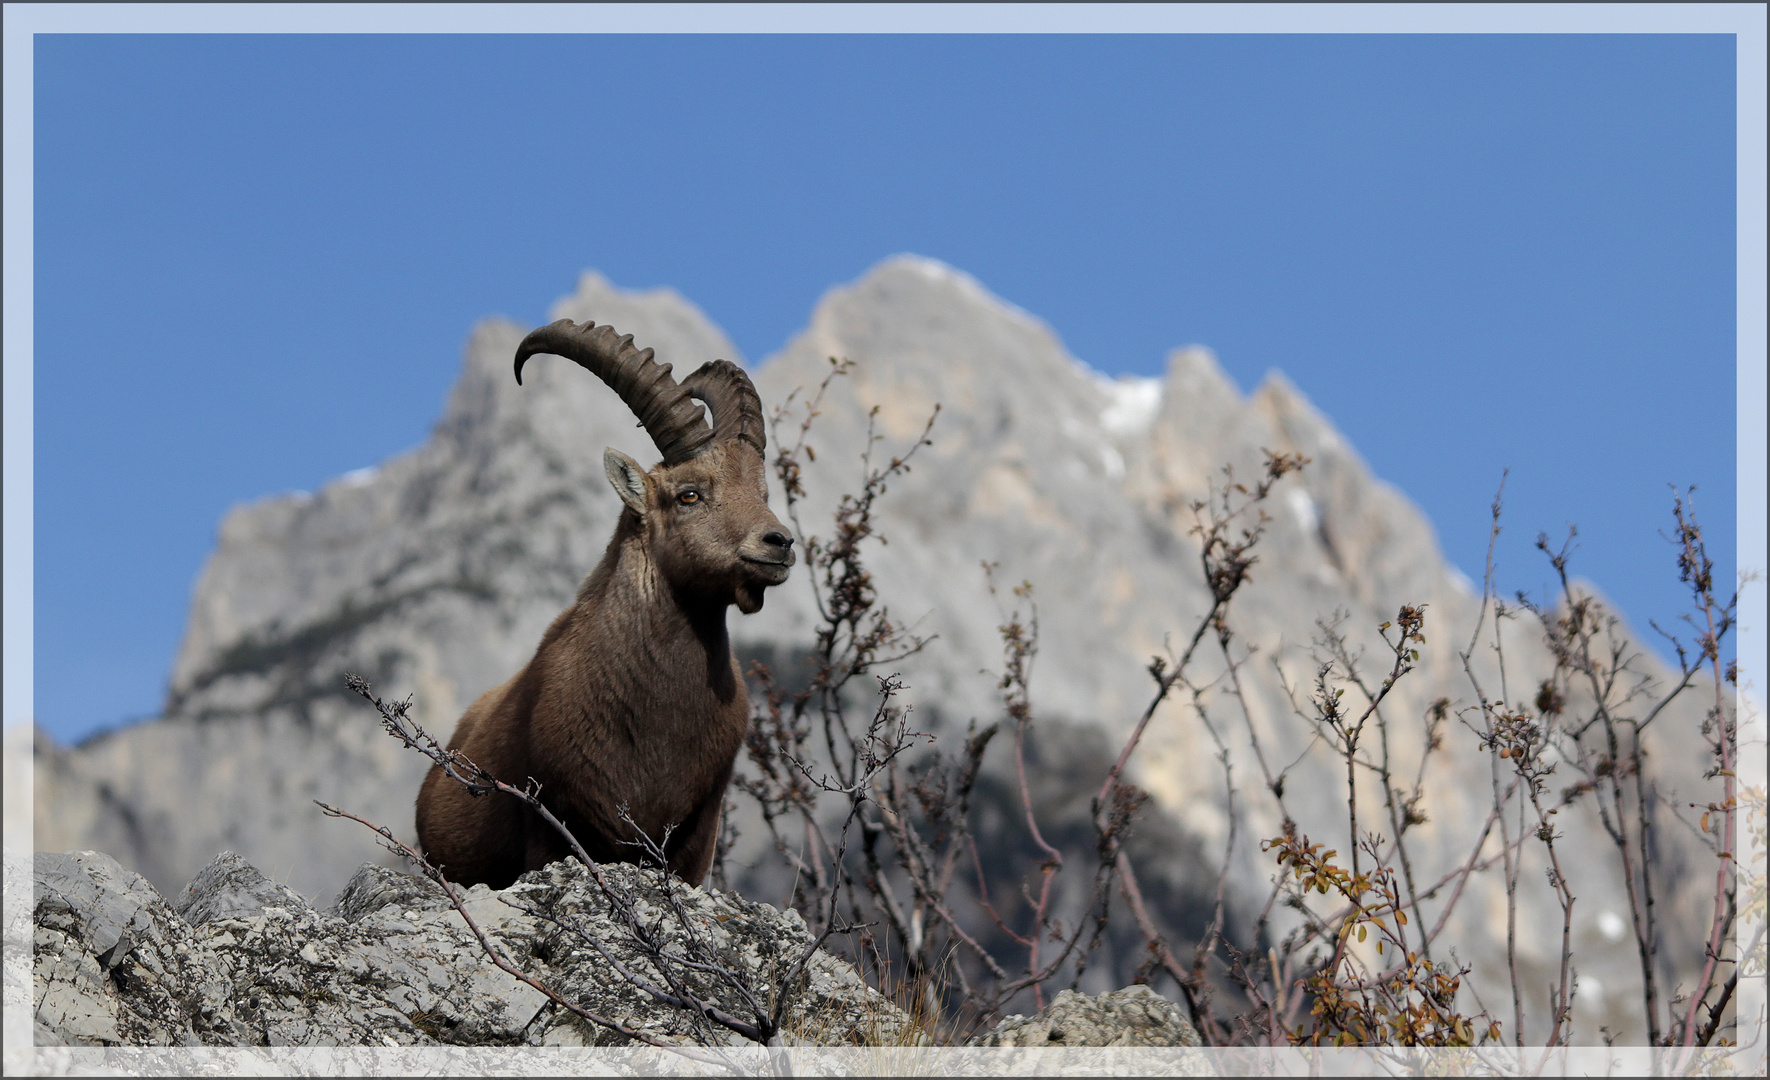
689	498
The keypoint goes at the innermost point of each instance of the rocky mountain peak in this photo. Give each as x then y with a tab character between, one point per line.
440	568
917	332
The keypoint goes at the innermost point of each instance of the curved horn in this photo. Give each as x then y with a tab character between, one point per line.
732	398
665	409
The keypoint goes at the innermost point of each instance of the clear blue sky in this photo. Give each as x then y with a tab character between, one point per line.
257	257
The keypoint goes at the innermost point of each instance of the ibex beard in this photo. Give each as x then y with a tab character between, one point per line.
633	705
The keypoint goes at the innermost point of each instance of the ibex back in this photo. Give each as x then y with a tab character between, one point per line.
633	701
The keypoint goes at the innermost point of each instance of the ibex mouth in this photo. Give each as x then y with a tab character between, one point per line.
774	571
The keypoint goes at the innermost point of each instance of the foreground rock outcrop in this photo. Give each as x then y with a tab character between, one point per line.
1134	1016
239	960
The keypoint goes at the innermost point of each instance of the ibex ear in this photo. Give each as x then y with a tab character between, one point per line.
627	477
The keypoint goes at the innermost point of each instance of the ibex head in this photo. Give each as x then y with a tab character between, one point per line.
703	509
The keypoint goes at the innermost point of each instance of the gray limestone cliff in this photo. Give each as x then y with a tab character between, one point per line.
436	573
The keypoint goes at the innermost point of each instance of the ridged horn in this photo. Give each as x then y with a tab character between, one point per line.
666	410
733	401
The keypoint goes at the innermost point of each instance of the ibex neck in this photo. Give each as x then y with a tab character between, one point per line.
628	596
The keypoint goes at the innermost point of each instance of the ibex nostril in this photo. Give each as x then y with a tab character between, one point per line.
778	539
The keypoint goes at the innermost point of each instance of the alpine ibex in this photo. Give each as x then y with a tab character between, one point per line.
633	698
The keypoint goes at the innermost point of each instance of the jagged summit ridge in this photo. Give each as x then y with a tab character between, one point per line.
437	572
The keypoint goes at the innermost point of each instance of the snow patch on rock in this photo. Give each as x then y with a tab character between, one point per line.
1131	404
